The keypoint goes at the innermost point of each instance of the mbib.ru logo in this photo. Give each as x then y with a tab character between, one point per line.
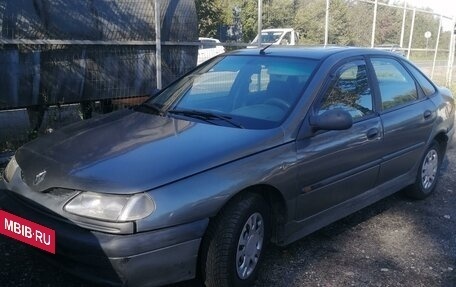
27	231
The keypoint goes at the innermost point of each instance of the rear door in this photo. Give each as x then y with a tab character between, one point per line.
407	116
335	166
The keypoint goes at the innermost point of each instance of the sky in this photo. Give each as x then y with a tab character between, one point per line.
445	7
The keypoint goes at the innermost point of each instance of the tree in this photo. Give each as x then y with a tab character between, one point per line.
339	23
278	13
388	29
350	21
309	21
360	23
208	12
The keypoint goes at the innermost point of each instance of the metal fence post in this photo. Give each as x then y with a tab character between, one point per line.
374	21
401	44
411	33
158	62
451	56
327	23
436	48
260	20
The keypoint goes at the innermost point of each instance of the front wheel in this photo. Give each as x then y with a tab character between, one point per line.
428	173
235	241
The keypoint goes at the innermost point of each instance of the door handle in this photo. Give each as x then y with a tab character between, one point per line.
372	133
427	114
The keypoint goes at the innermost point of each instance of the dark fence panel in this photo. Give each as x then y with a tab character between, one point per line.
67	51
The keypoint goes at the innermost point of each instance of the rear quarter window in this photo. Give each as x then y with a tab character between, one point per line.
427	87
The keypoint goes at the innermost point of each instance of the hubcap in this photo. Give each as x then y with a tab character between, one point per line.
429	169
249	245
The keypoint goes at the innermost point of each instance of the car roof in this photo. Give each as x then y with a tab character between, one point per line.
277	30
314	52
208	39
389	45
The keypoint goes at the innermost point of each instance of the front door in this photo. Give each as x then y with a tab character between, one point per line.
335	166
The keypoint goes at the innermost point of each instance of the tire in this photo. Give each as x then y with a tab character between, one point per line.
428	173
230	243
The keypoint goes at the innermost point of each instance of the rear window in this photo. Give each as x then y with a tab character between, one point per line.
207	44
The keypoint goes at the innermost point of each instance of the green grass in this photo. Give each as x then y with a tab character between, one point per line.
429	56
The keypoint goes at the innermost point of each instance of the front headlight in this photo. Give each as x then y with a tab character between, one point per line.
109	207
10	169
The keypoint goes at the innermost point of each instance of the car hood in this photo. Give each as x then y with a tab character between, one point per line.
128	152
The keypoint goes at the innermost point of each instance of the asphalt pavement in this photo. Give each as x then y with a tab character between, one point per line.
395	242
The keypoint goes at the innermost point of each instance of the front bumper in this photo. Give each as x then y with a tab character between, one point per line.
142	259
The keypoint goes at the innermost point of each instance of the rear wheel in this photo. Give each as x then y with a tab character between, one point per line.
235	241
428	173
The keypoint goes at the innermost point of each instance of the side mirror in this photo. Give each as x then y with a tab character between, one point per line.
336	119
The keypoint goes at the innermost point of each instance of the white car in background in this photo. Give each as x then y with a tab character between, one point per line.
209	48
277	36
392	48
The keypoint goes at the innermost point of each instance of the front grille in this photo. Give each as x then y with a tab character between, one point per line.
39	207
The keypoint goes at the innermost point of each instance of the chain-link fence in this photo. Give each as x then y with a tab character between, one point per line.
60	61
419	34
64	60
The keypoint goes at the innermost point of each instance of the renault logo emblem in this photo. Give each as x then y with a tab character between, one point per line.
39	177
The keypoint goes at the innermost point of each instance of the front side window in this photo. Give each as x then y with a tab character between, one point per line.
397	87
254	91
350	91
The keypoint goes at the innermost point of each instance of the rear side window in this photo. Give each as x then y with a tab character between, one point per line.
396	85
424	83
286	40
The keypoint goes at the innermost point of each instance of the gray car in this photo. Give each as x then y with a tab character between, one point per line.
256	146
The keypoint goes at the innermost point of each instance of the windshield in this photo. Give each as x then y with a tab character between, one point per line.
255	92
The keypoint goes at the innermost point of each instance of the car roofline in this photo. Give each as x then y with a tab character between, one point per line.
310	52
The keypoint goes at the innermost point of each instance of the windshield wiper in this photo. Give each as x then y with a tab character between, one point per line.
205	116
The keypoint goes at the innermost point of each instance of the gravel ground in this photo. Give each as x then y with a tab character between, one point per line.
395	242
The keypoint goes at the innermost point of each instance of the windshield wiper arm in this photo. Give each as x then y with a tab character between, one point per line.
206	116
